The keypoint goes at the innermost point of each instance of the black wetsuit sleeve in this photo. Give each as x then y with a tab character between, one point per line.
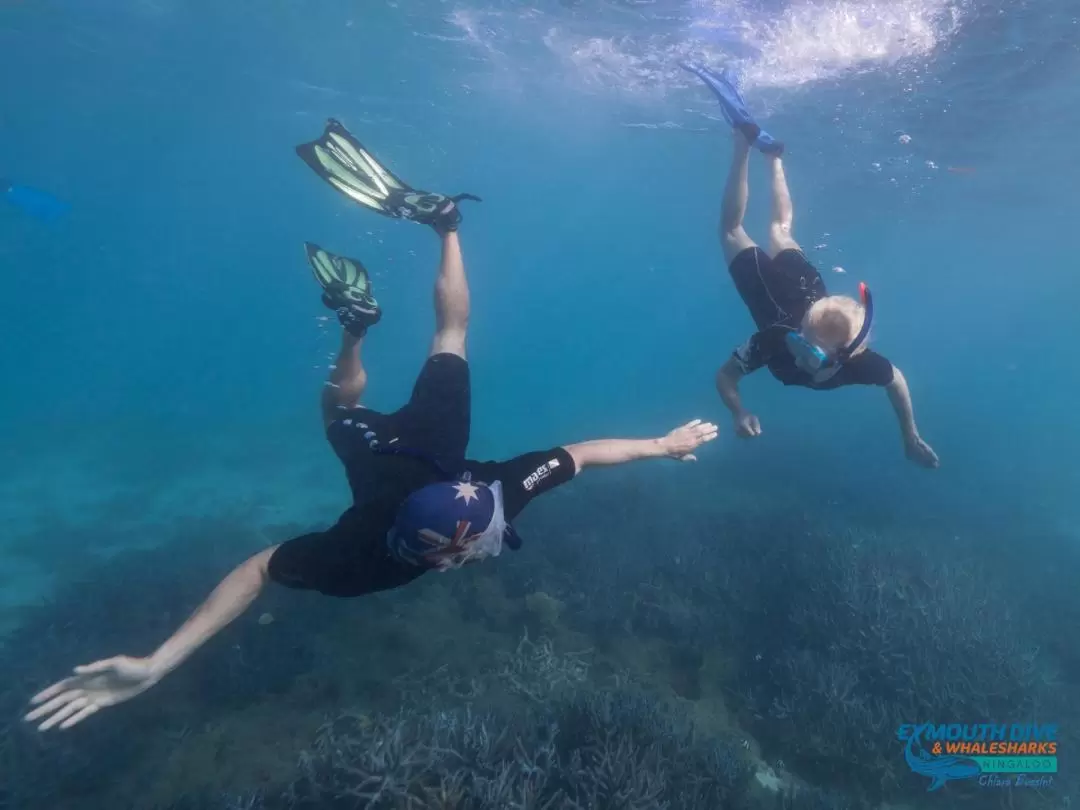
868	368
527	476
349	559
759	349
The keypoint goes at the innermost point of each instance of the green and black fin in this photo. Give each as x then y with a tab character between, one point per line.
343	162
346	288
337	272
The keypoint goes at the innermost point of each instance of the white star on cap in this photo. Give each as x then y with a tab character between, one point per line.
467	491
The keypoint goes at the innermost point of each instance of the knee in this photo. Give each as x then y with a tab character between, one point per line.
336	403
734	241
450	340
779	230
780	238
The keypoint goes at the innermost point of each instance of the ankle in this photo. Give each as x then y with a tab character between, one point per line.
748	133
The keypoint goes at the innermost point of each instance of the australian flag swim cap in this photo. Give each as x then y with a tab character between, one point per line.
449	524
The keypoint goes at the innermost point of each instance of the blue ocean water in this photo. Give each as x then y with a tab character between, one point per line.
165	345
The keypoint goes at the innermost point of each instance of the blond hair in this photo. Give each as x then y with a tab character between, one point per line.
834	321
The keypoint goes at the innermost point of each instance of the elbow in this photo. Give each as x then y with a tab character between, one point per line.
727	378
723	379
257	568
896	382
578	455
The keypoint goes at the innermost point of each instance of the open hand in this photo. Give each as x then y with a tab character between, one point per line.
920	452
747	426
683	441
91	689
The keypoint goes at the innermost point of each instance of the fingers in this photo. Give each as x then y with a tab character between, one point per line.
706	431
86	712
52	691
747	426
56	703
75	707
691	435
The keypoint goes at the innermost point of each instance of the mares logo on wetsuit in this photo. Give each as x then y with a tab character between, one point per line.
542	472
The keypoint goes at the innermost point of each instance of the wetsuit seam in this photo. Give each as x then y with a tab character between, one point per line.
782	314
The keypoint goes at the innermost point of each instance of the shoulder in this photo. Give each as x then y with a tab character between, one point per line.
335	562
760	348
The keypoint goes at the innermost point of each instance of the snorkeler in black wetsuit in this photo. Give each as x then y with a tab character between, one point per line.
805	336
418	503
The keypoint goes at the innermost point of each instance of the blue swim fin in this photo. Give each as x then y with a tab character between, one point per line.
32	201
725	87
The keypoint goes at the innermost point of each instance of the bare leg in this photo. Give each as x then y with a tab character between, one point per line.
780	237
451	300
736	194
347	380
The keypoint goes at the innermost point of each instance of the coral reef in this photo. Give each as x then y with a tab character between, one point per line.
864	635
832	634
755	659
581	749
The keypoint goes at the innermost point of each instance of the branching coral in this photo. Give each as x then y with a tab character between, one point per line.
591	750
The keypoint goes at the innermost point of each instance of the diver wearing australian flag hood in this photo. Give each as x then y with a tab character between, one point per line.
419	504
805	336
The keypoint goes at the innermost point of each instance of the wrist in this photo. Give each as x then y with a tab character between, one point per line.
658	447
910	433
155	666
158	664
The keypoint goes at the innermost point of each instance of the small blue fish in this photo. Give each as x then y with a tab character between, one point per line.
939	769
32	201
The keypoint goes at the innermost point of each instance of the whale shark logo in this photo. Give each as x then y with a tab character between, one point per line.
939	769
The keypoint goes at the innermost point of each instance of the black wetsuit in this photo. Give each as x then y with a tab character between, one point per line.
352	557
778	292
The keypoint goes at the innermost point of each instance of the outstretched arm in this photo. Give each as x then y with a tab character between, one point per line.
900	398
678	444
227	601
115	680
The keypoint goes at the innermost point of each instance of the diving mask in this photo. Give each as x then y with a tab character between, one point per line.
812	359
